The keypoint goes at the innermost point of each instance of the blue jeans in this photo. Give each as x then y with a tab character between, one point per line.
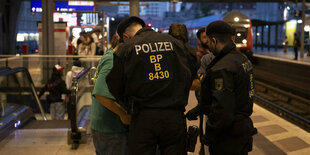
110	143
57	111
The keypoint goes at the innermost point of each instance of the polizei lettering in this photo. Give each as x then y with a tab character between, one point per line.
154	47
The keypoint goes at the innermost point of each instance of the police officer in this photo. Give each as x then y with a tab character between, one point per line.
152	72
227	95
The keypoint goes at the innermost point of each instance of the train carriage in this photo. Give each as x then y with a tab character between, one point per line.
243	31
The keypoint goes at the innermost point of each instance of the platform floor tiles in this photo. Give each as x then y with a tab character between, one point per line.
276	136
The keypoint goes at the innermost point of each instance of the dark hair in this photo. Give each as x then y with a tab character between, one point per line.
77	63
126	22
198	34
56	74
179	31
223	38
82	33
88	35
220	30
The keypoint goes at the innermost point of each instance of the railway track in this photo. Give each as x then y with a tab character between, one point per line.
289	106
283	87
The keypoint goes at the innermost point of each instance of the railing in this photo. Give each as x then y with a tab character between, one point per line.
17	95
40	66
76	135
7	71
40	69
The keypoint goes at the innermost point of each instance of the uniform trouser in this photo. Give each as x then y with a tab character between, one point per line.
234	140
57	110
157	127
214	150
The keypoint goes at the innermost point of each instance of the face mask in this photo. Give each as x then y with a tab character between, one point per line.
204	45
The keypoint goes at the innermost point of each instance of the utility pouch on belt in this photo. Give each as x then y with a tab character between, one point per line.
192	135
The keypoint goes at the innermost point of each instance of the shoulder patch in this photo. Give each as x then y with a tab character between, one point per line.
247	66
219	83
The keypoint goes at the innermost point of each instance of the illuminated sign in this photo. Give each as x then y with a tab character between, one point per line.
81	3
36	6
70	18
290	30
89	19
77	18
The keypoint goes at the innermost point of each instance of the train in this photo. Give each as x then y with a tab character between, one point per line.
241	23
244	32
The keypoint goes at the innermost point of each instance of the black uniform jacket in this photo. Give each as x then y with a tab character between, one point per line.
153	70
227	98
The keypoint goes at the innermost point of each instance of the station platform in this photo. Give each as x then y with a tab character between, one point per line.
288	56
275	136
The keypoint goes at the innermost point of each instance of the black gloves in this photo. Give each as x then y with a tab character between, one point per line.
192	114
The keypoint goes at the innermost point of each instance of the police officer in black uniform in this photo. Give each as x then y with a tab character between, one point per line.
152	72
227	95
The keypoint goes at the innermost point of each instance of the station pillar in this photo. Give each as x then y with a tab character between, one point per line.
302	39
262	38
48	7
134	8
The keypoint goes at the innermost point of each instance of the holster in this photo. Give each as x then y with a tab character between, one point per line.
250	143
192	135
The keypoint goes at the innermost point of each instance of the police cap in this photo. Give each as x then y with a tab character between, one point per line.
126	22
219	27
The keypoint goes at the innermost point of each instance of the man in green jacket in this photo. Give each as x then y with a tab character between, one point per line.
109	119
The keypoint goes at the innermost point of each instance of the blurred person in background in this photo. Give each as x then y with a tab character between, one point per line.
296	44
56	87
76	68
179	31
87	45
95	35
202	47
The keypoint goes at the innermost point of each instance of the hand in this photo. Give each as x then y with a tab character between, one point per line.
126	118
192	114
66	100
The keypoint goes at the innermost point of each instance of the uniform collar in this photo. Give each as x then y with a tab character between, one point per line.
229	47
144	29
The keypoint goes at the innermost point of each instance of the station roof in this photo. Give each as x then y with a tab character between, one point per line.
230	1
256	22
204	21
